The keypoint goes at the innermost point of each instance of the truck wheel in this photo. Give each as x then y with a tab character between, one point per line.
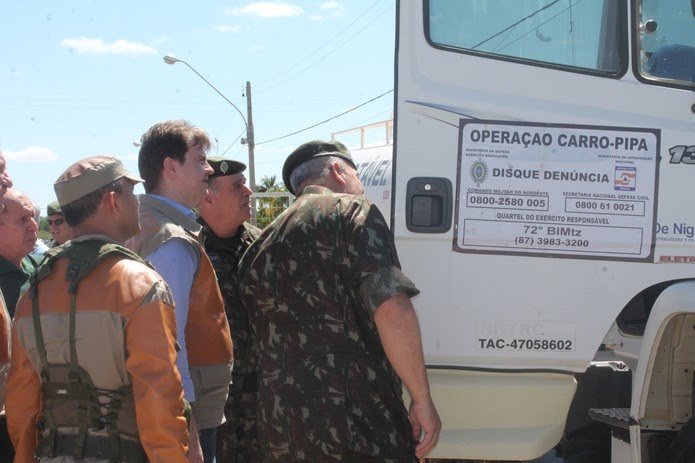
683	447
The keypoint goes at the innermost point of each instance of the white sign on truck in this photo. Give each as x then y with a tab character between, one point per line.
556	190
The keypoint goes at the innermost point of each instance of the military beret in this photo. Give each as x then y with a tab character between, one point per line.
54	208
221	166
312	150
88	175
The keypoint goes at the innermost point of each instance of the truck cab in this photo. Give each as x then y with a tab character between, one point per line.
542	156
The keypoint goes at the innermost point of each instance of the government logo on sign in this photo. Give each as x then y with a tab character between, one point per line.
625	178
478	172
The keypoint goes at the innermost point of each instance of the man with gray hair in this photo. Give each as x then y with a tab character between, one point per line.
335	332
19	232
18	235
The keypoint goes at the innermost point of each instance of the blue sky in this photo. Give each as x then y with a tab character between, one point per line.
80	78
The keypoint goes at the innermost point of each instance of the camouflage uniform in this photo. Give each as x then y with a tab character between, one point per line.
311	283
236	439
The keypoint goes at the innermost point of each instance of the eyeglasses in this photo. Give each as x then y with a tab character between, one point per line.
56	222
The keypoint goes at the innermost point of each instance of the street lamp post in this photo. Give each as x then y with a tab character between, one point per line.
249	140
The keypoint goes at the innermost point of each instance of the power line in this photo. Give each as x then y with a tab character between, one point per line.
235	140
545	7
375	116
321	47
327	120
542	24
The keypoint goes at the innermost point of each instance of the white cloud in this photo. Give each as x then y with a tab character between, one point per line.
330	6
333	9
89	46
316	17
226	28
266	10
33	154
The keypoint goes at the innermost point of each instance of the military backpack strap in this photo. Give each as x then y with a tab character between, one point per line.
48	443
82	257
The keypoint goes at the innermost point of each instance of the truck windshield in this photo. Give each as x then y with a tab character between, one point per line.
585	34
667	41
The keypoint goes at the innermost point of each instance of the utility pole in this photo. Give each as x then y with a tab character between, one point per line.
252	146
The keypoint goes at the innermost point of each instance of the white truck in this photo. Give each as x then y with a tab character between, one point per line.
540	200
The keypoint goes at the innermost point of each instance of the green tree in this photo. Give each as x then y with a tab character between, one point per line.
44	232
269	208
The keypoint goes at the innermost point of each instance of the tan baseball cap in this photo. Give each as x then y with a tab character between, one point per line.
88	175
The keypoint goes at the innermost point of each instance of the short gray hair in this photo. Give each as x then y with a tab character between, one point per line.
314	171
37	212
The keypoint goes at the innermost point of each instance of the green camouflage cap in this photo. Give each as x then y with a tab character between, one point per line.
88	175
54	208
312	150
222	166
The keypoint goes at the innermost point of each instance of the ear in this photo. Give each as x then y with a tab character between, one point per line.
207	199
169	167
110	201
337	173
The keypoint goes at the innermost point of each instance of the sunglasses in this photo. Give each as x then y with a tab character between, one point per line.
56	222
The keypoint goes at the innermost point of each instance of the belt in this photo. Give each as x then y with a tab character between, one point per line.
97	447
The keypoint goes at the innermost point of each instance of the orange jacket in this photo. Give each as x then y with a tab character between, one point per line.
126	333
207	335
208	338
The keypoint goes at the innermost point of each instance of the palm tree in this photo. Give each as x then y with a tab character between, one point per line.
269	208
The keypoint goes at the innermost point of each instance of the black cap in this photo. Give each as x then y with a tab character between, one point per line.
309	151
222	167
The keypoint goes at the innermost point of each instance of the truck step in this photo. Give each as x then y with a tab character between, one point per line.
617	419
613	417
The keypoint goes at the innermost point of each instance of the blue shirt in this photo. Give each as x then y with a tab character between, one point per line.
177	261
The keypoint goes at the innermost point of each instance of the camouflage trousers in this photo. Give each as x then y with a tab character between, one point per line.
237	440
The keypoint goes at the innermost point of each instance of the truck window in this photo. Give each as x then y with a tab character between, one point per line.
574	34
667	42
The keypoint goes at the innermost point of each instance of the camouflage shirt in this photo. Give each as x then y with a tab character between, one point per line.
236	439
311	283
225	254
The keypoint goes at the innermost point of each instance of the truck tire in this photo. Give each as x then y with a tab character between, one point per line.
683	447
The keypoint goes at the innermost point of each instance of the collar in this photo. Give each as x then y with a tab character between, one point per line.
8	267
177	213
96	236
316	190
173	203
245	233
